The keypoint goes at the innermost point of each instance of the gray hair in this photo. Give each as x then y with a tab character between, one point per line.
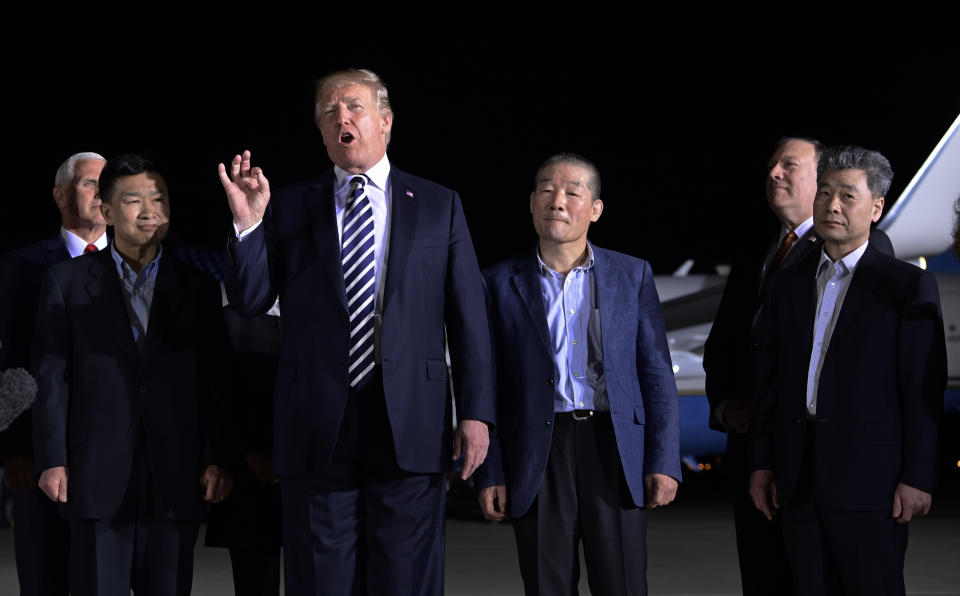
574	159
68	169
873	163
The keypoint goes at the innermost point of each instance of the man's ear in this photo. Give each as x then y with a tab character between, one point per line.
596	208
105	211
58	197
877	209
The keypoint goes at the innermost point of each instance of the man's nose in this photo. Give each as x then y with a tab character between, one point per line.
776	172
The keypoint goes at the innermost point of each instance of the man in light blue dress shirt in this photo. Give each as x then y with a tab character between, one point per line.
588	430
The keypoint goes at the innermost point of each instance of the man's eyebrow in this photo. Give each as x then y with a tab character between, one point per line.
839	185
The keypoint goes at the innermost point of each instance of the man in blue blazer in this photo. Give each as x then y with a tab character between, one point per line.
851	374
376	275
41	537
588	428
126	355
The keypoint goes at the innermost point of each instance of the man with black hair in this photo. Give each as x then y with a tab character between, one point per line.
126	357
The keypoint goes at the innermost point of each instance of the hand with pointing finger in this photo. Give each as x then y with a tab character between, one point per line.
248	191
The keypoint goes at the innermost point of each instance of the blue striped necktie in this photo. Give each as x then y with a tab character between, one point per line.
358	278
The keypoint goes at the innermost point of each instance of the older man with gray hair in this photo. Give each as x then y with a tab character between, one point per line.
40	536
851	374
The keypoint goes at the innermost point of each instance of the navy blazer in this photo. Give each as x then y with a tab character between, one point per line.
730	350
20	274
880	393
636	365
97	392
432	293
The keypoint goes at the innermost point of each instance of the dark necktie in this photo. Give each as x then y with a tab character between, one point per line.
90	248
788	241
358	278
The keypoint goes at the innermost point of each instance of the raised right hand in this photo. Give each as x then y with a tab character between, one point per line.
53	483
248	191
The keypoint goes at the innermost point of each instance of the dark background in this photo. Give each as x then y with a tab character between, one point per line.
679	114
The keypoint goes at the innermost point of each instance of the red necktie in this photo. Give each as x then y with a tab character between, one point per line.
788	241
90	248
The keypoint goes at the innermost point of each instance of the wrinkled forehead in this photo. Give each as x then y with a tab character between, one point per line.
342	91
564	174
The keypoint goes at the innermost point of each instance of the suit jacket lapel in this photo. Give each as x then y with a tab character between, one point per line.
323	215
103	287
805	244
168	296
526	281
607	275
866	278
403	230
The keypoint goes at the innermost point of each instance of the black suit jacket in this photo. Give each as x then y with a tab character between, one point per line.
20	273
432	297
730	350
98	392
880	392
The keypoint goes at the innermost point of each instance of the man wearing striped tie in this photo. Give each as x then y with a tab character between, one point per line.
40	536
376	275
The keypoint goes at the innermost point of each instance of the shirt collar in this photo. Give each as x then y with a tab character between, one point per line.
76	245
377	174
125	271
847	264
804	227
585	266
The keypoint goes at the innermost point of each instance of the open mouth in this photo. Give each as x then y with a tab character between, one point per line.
346	138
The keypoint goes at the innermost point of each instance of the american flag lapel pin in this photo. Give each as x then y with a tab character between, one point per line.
410	193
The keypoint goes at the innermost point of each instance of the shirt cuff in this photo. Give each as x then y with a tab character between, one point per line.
241	235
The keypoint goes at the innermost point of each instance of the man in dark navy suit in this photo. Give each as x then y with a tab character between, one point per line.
40	536
377	275
730	351
125	354
588	425
851	374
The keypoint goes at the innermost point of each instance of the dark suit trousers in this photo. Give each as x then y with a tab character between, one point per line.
764	569
840	552
140	547
364	526
584	496
41	541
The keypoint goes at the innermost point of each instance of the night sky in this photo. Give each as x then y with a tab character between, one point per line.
680	119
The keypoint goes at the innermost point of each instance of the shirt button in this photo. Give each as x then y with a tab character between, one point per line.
574	342
581	404
571	311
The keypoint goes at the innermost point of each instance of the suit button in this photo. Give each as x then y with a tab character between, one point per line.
550	381
142	389
548	423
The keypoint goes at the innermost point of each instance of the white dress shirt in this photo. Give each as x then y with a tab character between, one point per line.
833	281
76	245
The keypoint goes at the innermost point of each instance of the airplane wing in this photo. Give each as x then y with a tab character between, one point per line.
926	228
